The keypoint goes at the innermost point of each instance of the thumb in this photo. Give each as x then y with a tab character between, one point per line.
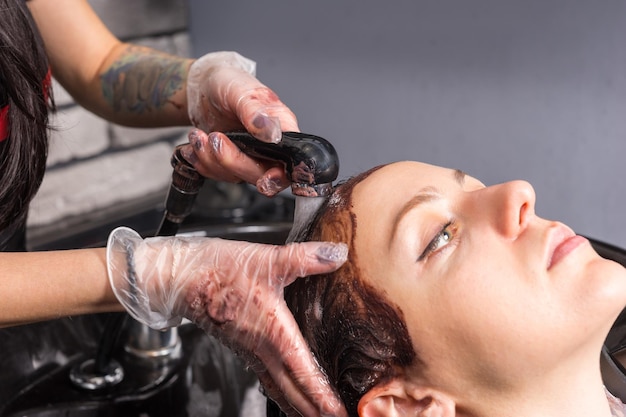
308	258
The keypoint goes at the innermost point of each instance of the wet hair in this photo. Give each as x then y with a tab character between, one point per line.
358	336
24	87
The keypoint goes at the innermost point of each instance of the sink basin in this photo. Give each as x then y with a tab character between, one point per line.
207	380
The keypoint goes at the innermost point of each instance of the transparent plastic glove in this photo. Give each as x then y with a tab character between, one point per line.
215	156
224	95
234	291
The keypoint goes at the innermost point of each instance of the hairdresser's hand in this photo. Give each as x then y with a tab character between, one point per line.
234	291
215	156
224	95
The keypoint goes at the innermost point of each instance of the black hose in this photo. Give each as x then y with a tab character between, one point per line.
112	329
184	188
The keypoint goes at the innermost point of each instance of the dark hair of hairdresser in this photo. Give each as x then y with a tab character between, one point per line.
359	338
25	89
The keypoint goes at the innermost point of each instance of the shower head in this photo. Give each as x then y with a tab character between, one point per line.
311	162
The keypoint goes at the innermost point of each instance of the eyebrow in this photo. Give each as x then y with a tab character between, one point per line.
459	176
425	195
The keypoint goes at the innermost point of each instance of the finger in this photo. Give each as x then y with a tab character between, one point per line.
264	115
299	378
267	122
218	158
306	258
271	390
273	181
289	397
255	105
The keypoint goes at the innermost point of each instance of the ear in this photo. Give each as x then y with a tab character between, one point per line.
401	398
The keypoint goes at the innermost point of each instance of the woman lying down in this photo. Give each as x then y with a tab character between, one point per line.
457	300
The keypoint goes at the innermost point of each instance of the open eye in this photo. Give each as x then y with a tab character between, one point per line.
441	239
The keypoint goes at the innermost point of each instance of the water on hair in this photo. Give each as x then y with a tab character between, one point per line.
305	210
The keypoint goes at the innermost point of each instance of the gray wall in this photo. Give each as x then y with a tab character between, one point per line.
527	89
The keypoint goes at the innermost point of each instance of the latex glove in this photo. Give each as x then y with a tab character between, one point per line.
234	291
223	95
215	156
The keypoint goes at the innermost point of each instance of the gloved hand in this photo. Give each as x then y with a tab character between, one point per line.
234	291
223	95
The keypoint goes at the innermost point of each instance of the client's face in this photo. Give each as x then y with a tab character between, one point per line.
488	289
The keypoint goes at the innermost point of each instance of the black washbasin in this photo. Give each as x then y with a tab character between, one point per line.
207	380
206	376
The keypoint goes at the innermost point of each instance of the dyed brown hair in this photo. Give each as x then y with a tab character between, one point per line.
359	338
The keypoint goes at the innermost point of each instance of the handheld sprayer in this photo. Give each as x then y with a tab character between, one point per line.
311	164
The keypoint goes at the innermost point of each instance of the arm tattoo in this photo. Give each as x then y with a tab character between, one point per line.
138	81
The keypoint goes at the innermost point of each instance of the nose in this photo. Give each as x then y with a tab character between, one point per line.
513	205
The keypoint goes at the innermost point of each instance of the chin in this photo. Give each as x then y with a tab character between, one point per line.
606	281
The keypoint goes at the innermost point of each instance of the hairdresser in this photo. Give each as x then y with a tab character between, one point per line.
231	289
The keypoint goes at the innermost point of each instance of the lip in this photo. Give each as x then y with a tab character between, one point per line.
562	242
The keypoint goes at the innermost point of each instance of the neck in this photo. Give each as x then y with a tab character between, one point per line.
573	391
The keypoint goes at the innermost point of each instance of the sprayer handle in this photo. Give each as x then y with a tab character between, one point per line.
308	159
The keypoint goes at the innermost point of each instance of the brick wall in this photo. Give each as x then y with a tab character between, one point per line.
96	169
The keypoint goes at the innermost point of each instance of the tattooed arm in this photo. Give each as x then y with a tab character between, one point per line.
127	84
138	86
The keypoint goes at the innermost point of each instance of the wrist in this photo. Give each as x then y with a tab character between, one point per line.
136	268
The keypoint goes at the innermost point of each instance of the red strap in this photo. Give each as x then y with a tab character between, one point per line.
4	111
46	83
4	123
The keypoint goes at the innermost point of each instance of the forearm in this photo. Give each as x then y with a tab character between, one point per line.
126	84
39	286
139	86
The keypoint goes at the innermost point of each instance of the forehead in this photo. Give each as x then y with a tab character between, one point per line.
401	178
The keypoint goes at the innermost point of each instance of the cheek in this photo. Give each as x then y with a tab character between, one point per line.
491	302
482	285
